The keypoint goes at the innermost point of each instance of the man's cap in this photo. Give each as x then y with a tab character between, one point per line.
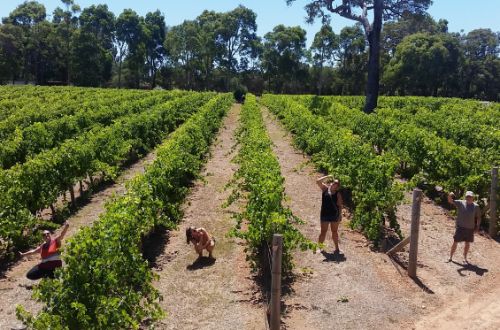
469	193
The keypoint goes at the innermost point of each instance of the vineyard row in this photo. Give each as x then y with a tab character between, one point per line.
106	283
37	183
259	175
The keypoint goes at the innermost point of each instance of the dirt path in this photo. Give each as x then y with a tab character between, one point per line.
436	236
15	288
476	310
466	295
324	280
204	295
378	290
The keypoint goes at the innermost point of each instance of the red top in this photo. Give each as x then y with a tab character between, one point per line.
52	249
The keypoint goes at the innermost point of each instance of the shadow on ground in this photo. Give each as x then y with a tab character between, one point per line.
333	257
422	286
154	244
470	268
396	261
201	262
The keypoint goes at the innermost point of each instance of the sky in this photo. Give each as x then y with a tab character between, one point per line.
463	15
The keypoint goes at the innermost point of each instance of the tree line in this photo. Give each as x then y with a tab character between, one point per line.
221	51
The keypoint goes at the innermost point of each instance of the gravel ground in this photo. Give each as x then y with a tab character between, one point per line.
204	294
16	289
364	289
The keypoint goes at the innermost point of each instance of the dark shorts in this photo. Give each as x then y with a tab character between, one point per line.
329	219
464	235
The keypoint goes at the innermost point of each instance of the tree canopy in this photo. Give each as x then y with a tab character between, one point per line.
222	51
358	10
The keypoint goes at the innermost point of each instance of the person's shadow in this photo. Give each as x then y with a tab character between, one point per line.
333	257
201	262
471	268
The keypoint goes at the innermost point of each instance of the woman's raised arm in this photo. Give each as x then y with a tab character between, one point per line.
320	183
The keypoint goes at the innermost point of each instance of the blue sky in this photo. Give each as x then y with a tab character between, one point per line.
461	14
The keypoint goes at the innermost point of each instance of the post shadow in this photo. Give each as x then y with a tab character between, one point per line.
421	285
404	265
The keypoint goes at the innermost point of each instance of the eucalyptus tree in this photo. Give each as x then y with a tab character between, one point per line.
480	69
155	34
360	11
93	47
324	51
183	51
424	64
27	16
236	40
130	39
11	52
283	58
66	24
352	60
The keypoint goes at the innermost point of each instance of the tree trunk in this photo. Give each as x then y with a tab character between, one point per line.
120	74
67	56
72	194
92	182
53	211
153	75
67	72
153	82
373	83
320	80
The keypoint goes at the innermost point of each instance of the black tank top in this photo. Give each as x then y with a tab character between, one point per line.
329	208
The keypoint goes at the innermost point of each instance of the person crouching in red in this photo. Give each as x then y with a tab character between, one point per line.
51	257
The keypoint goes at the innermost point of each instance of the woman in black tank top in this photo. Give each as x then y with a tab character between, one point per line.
331	209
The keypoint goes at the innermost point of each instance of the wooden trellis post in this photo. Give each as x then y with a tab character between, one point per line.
276	282
415	226
493	202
